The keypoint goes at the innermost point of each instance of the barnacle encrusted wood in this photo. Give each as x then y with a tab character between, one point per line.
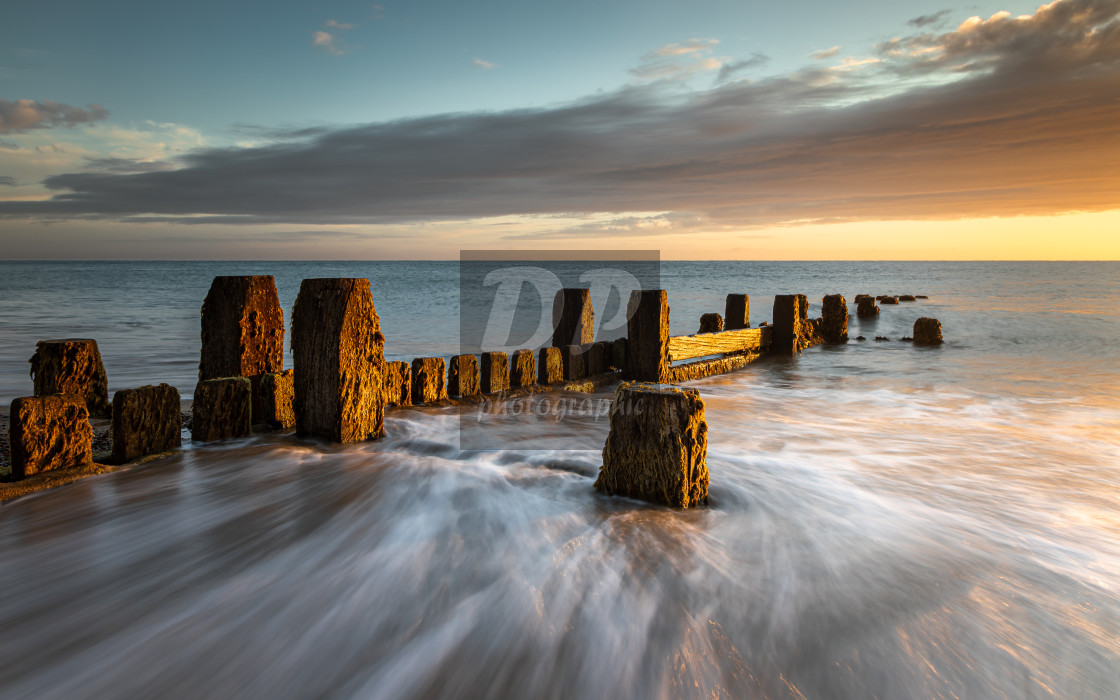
222	408
737	312
522	369
338	351
71	366
573	318
834	319
274	396
429	385
710	323
146	420
657	447
550	366
398	383
46	433
927	331
495	372
462	376
599	357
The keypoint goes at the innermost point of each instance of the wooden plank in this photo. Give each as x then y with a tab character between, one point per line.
686	347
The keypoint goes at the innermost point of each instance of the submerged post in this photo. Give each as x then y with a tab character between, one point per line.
338	350
647	343
573	318
657	448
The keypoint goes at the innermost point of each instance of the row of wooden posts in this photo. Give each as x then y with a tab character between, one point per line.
341	383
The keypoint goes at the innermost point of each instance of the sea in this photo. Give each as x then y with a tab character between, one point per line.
886	521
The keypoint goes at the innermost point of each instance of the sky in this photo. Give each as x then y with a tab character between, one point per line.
706	129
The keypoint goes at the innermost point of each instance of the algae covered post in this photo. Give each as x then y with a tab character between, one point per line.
338	351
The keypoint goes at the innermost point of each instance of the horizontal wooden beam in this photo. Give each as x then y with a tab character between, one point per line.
686	347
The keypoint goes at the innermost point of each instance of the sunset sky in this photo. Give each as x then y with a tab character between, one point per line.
706	129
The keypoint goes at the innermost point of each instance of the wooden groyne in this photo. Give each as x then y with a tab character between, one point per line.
341	385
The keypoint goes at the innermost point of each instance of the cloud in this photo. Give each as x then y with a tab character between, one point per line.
728	71
998	117
21	115
484	64
676	61
330	42
7	181
930	19
824	53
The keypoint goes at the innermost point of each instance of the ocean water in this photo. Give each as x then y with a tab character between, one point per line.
886	521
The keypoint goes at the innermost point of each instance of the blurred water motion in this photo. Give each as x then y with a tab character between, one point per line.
886	522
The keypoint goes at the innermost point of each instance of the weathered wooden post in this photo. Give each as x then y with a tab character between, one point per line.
710	323
71	366
834	319
222	408
788	321
277	390
573	318
599	357
494	368
242	331
398	383
866	306
575	362
737	312
429	384
522	369
338	351
550	366
647	331
47	433
657	447
462	376
146	420
927	331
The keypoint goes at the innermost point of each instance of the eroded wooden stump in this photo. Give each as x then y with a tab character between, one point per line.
522	369
462	376
834	319
866	307
146	420
573	318
657	447
550	366
275	395
737	312
71	366
338	351
222	408
428	383
47	433
398	383
927	331
788	324
494	367
710	323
